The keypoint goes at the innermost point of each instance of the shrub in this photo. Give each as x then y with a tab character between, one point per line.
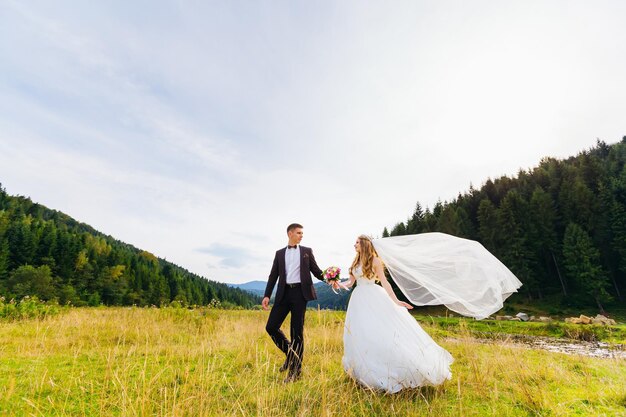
27	308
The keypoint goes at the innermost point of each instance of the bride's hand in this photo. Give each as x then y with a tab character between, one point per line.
405	305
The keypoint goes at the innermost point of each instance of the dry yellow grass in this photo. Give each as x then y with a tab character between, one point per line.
175	362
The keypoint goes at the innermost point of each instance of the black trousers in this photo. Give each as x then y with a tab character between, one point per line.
292	302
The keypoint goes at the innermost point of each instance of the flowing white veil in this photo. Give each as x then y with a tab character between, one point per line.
436	268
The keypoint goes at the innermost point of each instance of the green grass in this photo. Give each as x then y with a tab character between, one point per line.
176	362
552	306
493	329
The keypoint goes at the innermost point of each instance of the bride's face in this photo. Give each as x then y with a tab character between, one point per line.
357	245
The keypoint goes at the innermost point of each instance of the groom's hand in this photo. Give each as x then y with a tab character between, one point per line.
265	303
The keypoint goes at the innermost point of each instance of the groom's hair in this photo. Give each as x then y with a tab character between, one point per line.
294	226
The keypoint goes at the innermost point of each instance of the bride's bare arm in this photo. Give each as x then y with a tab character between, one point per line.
380	274
350	281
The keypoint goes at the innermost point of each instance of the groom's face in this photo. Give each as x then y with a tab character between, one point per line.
295	235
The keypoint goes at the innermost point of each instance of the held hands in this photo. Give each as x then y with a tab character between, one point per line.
337	285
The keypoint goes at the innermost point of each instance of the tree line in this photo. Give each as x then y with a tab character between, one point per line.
46	253
560	227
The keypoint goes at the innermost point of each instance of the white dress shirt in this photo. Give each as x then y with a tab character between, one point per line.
292	265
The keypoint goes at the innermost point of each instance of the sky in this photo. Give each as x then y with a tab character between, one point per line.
199	130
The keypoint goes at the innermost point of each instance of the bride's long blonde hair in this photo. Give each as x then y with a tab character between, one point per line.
365	257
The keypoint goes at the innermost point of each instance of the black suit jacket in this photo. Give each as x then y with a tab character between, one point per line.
308	266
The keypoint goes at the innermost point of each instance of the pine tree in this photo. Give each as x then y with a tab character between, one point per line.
430	221
449	221
543	237
488	225
582	263
466	227
398	230
577	202
4	259
28	280
4	198
415	224
617	216
516	251
46	245
21	244
610	229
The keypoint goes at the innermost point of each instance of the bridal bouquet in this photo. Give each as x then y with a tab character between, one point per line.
331	275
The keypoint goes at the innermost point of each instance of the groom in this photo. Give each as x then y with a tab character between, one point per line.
292	268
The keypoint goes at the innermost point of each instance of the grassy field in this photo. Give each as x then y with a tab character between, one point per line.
176	362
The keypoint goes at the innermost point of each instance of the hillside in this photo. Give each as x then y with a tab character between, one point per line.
327	299
47	253
560	226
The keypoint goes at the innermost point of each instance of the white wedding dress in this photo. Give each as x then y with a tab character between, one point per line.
384	347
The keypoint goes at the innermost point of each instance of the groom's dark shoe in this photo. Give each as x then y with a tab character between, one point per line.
285	366
293	376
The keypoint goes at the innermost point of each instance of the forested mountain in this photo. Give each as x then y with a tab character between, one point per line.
327	299
560	227
46	253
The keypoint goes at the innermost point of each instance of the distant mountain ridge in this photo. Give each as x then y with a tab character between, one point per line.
326	298
254	287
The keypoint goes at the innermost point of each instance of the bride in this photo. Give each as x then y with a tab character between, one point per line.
384	347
